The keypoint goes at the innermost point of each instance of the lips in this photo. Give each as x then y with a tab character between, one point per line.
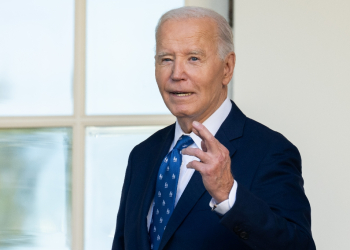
182	93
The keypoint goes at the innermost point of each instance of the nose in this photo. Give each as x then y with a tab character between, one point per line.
178	71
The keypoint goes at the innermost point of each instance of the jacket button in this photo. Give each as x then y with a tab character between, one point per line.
237	229
244	235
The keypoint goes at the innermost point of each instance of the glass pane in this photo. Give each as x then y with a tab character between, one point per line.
107	153
36	57
35	189
120	56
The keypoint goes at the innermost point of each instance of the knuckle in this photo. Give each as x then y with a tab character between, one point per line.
201	154
205	172
221	157
195	163
211	138
197	151
210	171
191	151
226	152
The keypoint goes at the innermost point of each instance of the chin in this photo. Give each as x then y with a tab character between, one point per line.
181	109
182	112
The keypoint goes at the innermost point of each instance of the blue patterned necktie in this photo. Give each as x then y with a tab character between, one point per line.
164	199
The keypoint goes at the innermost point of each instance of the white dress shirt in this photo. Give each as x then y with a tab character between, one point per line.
213	124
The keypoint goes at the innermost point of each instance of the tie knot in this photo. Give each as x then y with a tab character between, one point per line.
183	142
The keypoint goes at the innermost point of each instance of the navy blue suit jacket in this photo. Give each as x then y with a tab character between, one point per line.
271	210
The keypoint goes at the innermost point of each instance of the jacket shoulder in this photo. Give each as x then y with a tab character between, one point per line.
265	135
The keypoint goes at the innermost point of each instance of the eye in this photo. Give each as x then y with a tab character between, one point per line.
193	58
166	60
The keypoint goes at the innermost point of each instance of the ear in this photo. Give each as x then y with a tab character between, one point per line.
229	65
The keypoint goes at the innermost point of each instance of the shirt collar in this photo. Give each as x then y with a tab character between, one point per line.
213	124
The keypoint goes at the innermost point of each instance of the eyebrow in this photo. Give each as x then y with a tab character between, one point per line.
197	52
193	52
161	54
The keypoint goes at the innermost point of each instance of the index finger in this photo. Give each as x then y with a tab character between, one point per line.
209	140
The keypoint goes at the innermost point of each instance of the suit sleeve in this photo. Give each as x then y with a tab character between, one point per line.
118	242
274	212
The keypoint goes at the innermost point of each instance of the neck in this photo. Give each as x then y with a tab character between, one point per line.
186	122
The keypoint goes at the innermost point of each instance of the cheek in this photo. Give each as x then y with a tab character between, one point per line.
210	86
162	75
160	81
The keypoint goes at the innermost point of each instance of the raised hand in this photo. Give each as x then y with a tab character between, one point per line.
214	164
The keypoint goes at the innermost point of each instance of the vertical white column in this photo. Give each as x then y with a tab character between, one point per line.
293	75
78	128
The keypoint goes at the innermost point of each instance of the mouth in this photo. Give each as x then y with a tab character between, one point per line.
181	94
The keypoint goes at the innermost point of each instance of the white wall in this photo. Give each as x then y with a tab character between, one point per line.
220	6
293	75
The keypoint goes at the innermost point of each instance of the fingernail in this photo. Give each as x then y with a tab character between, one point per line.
195	123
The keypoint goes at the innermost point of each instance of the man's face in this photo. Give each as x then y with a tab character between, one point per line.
189	73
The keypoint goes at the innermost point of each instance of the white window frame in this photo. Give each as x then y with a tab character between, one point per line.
79	121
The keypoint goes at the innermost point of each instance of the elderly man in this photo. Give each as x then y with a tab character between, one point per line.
215	179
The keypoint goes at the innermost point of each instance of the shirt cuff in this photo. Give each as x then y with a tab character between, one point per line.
226	205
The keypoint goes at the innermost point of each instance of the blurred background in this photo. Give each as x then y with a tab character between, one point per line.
77	93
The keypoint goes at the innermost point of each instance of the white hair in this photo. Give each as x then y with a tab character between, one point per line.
225	43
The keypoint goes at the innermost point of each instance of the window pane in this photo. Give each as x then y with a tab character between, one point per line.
120	56
35	189
36	57
107	153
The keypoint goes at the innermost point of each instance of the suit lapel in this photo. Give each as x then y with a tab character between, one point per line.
224	140
194	190
160	152
232	128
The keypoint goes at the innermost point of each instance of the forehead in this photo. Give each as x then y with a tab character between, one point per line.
187	33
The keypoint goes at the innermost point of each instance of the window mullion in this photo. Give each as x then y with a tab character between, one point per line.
78	152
